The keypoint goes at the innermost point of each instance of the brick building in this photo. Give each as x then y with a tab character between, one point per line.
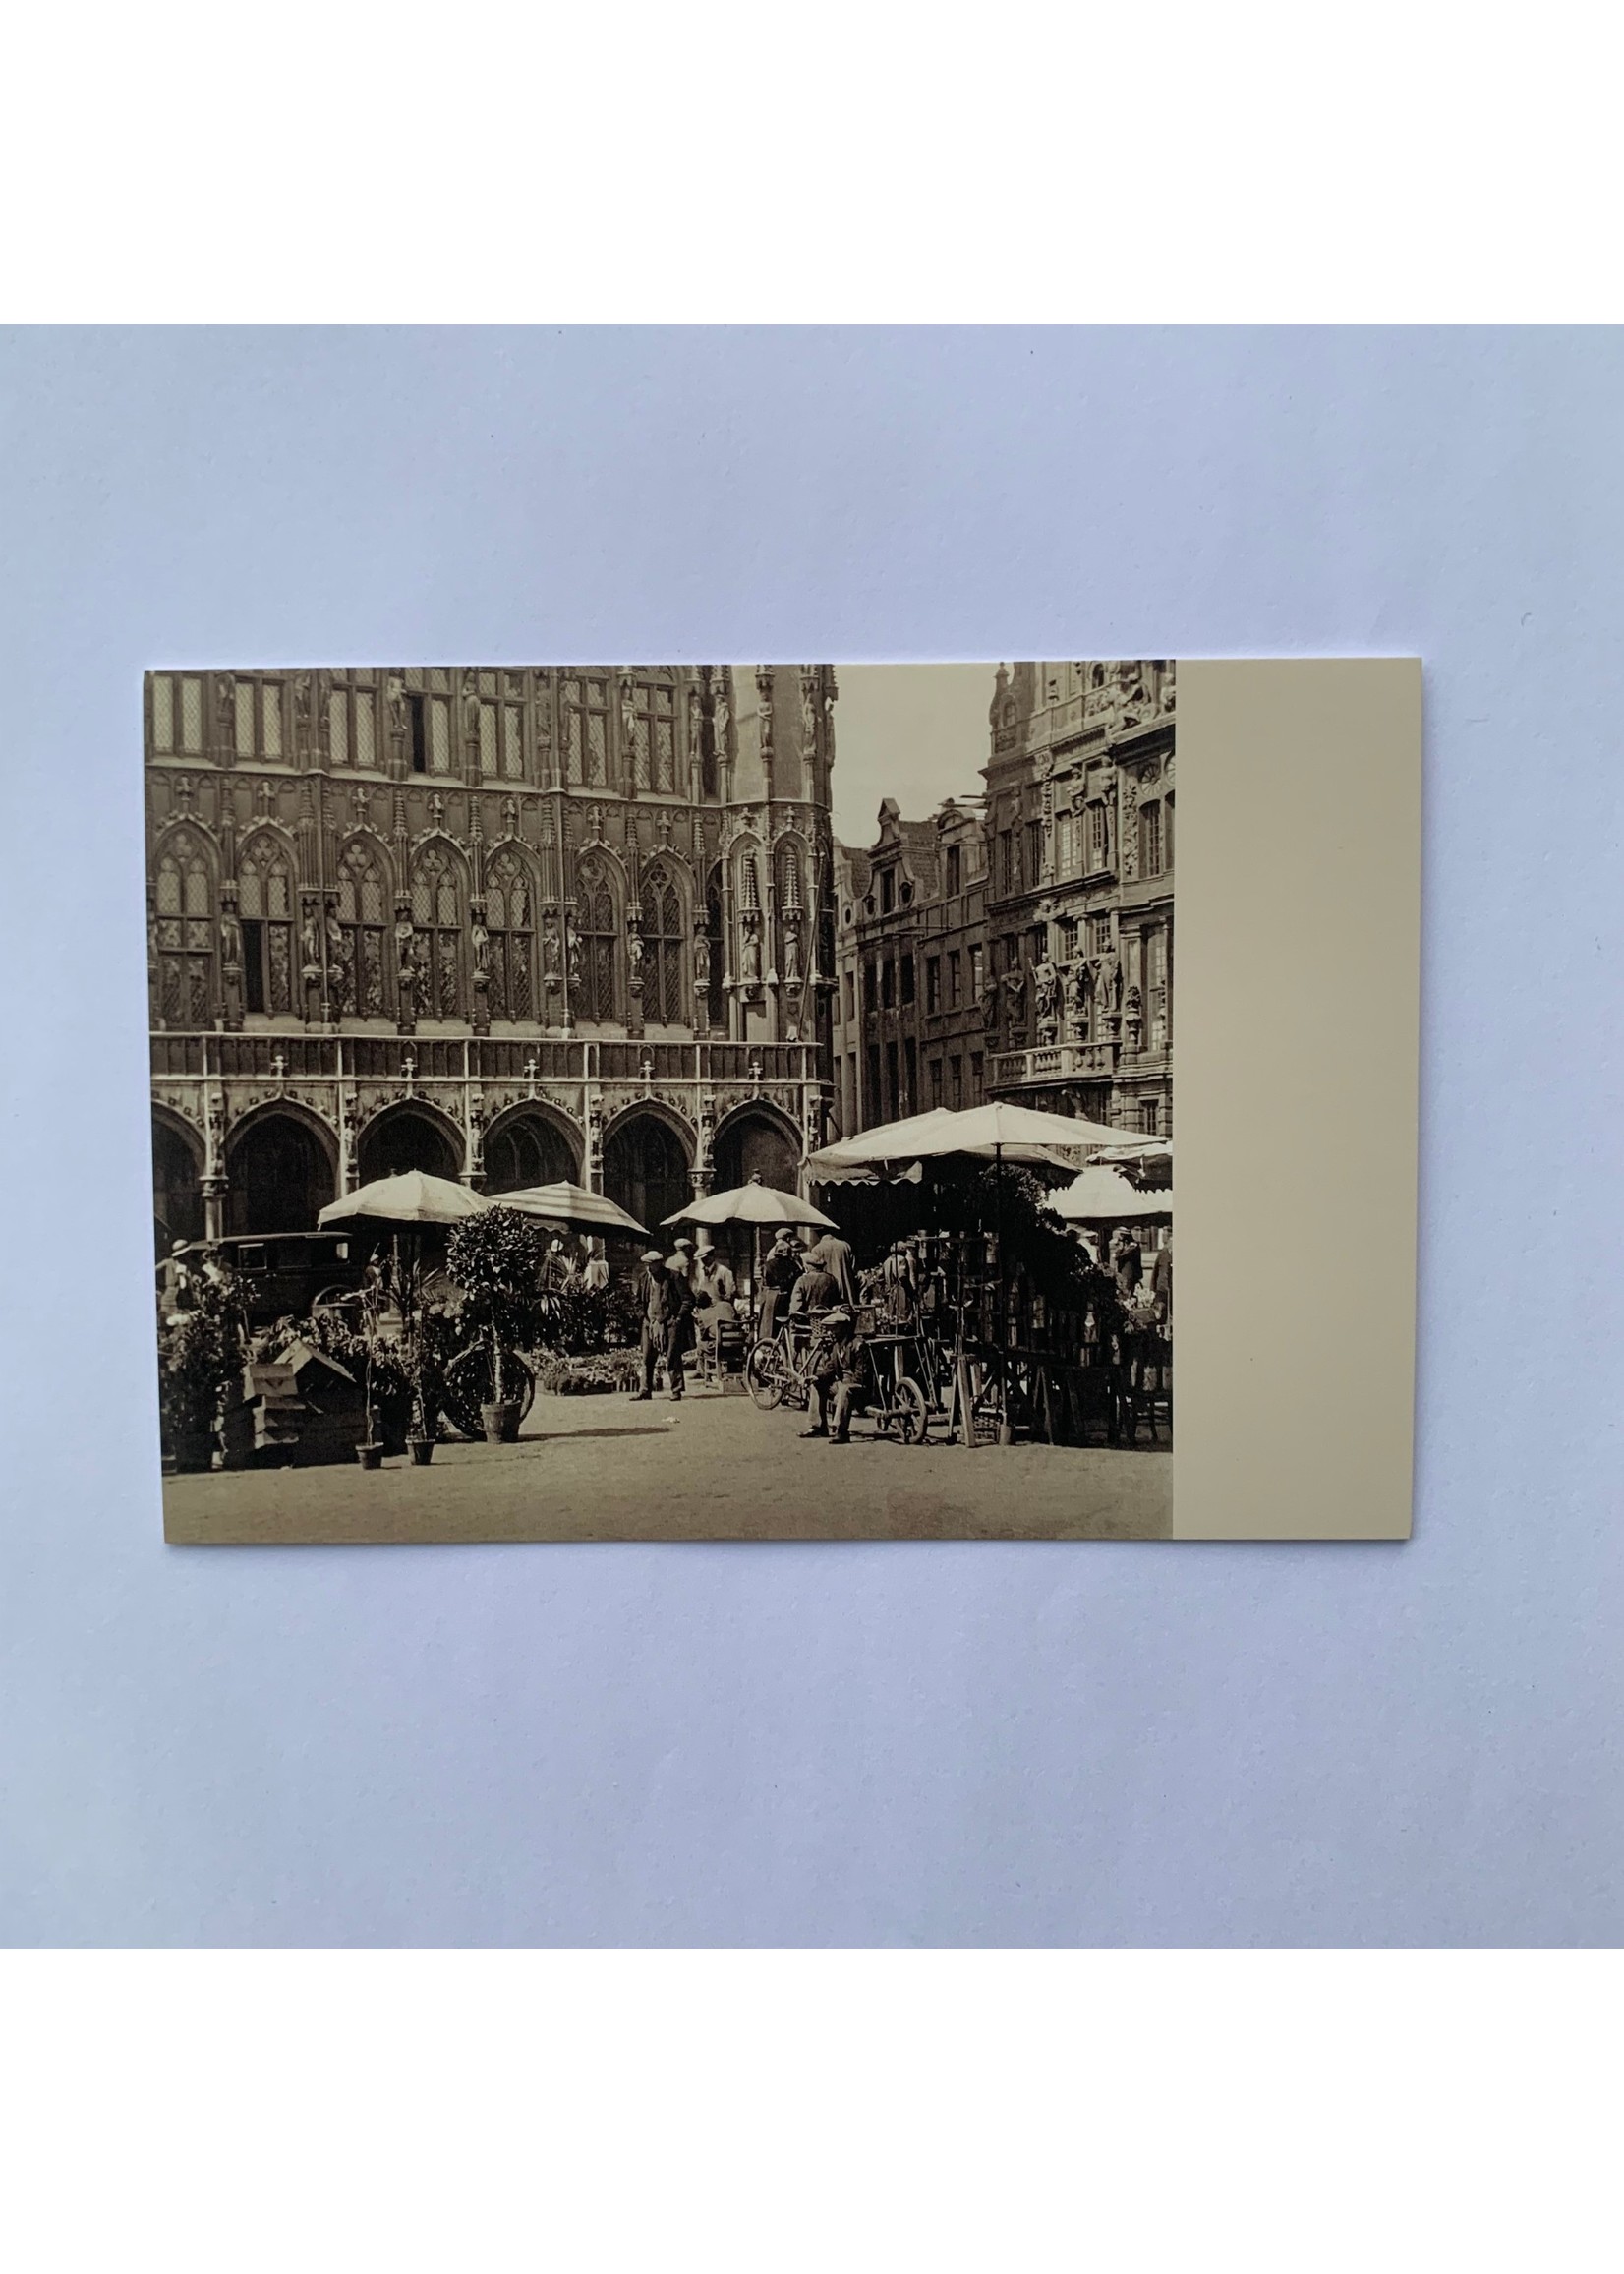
910	950
505	926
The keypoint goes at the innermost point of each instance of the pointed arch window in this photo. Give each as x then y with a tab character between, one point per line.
653	734
510	917
363	907
595	930
586	732
716	993
662	950
265	903
184	917
437	920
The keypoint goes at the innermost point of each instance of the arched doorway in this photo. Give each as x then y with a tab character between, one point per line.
404	1137
177	1188
527	1149
279	1175
646	1169
756	1144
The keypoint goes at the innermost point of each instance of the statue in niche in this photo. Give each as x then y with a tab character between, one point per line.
1046	984
988	1006
751	961
1077	999
791	952
701	960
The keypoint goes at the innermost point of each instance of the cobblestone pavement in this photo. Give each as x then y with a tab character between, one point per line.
711	1468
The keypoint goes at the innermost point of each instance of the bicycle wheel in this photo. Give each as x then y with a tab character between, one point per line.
470	1383
763	1375
909	1412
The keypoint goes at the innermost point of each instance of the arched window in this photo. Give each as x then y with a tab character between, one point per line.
511	920
363	907
716	993
586	732
437	920
662	950
185	934
653	755
264	901
595	934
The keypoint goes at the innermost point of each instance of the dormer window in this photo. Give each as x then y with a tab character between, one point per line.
888	891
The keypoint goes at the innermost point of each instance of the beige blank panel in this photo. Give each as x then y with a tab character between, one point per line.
1297	1029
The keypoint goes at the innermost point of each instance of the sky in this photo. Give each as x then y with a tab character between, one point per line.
913	732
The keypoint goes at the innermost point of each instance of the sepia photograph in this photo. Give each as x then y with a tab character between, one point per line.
687	1103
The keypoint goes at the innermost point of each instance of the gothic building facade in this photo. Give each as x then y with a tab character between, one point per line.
1077	994
507	925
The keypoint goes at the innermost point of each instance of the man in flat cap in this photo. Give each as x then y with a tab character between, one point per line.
667	1306
836	1369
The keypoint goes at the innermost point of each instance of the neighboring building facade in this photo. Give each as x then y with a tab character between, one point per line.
1077	1004
505	925
910	952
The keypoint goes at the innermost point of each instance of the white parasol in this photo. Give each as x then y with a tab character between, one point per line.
412	1198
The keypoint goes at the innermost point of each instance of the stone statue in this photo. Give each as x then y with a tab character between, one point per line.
1077	999
309	945
720	715
791	952
395	695
1046	980
406	975
751	963
989	1007
701	960
549	946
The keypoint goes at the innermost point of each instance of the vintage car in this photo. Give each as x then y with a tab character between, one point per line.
281	1274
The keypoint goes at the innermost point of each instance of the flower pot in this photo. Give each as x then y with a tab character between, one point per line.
370	1456
422	1450
500	1423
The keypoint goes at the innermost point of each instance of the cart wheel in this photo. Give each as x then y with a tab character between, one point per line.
910	1412
336	1301
763	1375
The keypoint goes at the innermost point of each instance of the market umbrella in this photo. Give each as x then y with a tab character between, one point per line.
752	1203
573	1204
412	1198
1101	1196
995	1132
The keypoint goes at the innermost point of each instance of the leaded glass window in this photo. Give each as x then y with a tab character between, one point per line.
191	715
513	741
439	738
363	906
265	903
163	713
185	934
365	743
596	929
244	702
510	917
271	717
661	950
653	754
338	726
586	732
437	919
487	738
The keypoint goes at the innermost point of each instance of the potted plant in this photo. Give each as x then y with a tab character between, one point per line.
497	1260
201	1348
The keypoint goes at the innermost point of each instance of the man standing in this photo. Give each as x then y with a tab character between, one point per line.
682	1260
779	1274
833	1255
667	1308
1126	1262
1161	1282
815	1291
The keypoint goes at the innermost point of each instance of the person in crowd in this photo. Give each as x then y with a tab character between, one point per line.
898	1283
1126	1262
835	1370
682	1258
814	1291
833	1255
1161	1282
667	1314
712	1293
779	1273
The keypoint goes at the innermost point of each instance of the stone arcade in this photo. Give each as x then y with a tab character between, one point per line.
505	926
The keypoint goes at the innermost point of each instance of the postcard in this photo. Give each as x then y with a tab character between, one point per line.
739	1101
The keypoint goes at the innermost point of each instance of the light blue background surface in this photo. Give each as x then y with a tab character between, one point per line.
1033	1744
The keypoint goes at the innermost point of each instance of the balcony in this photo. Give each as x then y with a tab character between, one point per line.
473	1059
1055	1061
